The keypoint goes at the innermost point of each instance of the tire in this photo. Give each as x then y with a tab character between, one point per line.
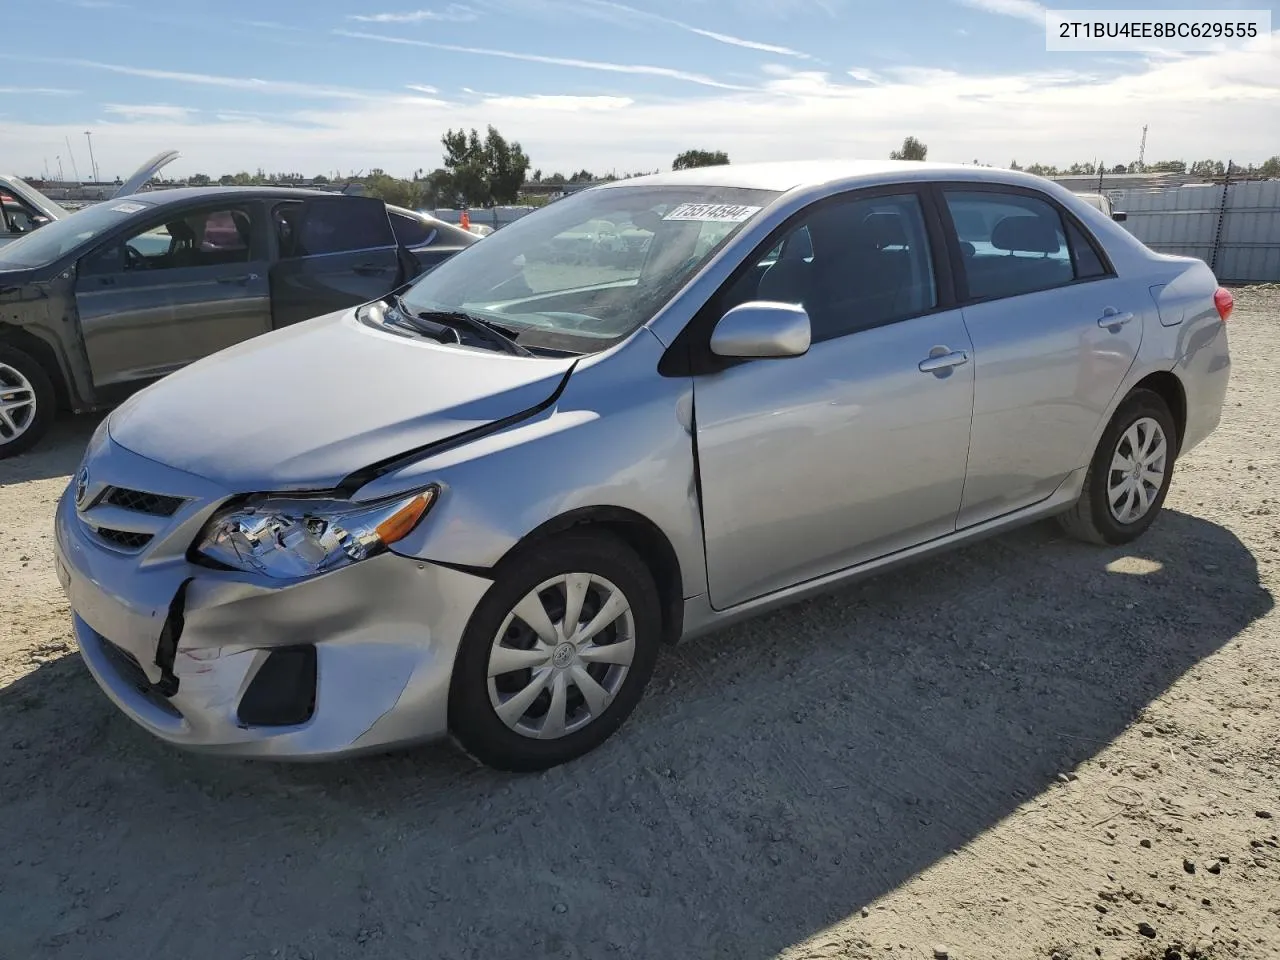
474	697
23	382
1092	518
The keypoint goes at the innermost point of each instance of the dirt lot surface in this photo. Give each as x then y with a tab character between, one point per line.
1029	748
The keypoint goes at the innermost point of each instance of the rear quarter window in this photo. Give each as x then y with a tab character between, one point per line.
410	231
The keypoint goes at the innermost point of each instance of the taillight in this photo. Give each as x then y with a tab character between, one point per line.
1225	303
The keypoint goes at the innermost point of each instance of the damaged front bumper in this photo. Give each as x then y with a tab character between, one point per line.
352	661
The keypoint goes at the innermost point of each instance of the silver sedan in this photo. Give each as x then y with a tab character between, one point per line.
481	507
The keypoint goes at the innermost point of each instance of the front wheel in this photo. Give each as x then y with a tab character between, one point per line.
27	401
556	654
1129	475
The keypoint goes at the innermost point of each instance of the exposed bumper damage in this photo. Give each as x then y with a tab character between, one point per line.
356	660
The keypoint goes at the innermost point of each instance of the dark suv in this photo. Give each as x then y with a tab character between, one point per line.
105	300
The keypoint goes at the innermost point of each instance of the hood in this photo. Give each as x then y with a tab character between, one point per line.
140	177
306	406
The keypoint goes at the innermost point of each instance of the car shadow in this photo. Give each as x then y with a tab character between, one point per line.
58	454
777	777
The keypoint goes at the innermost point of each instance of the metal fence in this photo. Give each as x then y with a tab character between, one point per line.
496	217
1234	226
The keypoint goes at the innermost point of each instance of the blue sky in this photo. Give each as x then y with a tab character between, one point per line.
331	86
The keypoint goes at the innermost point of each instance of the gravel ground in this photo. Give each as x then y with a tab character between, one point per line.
1028	748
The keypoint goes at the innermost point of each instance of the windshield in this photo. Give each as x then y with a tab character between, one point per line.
62	236
588	270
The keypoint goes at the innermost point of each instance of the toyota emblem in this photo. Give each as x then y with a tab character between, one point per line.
82	486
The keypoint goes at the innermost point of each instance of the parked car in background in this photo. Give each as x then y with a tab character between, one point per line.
481	505
1100	201
23	209
99	302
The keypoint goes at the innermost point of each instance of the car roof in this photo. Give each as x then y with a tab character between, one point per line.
162	198
792	175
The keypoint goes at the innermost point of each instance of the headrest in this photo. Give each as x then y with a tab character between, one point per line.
181	231
1025	234
884	230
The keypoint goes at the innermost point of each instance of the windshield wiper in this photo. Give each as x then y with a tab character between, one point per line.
460	320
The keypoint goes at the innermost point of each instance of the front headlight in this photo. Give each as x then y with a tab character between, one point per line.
288	538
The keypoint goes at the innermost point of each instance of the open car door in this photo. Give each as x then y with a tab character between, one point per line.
334	252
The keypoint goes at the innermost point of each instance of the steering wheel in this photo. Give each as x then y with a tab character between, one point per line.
133	260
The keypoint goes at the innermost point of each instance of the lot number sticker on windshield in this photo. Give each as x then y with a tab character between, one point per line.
128	207
712	212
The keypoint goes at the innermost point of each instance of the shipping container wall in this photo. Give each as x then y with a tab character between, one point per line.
1240	239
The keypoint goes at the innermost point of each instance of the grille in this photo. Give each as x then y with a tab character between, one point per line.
156	504
125	539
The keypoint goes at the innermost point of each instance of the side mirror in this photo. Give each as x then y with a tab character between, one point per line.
762	328
39	220
1119	216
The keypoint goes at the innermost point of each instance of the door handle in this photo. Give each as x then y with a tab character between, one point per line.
938	362
1111	317
371	270
238	281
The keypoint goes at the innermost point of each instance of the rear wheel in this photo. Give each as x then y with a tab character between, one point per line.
27	401
557	653
1129	475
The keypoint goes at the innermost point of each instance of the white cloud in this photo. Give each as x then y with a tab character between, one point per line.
38	91
1228	101
637	14
1022	9
748	44
554	102
284	87
631	68
421	88
864	76
159	111
453	13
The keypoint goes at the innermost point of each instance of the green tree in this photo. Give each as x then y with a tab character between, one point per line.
700	158
507	166
393	190
912	149
1270	167
438	189
582	176
199	180
1167	166
483	172
1207	168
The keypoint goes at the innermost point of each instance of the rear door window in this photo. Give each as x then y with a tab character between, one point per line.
339	225
1013	243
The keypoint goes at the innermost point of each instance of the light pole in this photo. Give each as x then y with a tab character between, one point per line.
93	164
